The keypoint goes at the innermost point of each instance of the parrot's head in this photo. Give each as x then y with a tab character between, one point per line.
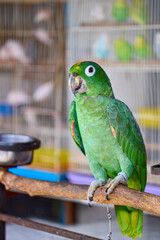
88	77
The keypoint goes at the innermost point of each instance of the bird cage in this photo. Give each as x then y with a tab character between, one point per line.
32	74
123	36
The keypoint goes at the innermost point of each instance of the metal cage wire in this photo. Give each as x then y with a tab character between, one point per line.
33	82
133	67
32	74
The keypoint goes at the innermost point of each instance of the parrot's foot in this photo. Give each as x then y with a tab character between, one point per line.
92	188
120	178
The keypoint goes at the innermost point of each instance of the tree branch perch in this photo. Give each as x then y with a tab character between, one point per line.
122	195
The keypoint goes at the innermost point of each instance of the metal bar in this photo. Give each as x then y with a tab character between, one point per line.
2	209
45	228
89	27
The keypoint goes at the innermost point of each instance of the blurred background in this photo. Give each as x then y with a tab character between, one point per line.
39	41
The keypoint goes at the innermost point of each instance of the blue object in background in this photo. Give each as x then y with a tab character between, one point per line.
38	174
6	109
102	47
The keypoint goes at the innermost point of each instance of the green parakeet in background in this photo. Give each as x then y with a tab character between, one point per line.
124	50
142	48
107	133
139	11
120	10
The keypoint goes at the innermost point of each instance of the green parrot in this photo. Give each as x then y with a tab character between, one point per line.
124	50
139	11
105	131
120	10
142	48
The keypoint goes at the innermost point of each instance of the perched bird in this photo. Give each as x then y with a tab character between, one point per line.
42	36
43	92
120	10
107	133
18	97
139	11
102	47
13	50
99	13
124	50
43	15
142	48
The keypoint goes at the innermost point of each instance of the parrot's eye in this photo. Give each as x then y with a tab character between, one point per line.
90	71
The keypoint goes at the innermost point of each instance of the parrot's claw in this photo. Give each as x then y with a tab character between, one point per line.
107	197
92	188
90	201
120	178
106	189
90	198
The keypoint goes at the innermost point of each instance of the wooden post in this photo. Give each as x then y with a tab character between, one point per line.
2	210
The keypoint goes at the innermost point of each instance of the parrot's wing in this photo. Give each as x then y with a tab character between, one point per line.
74	128
127	133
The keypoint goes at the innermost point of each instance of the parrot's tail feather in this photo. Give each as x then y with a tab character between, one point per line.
130	221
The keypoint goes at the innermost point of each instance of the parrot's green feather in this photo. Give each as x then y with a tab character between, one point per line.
107	133
131	141
124	124
129	220
73	125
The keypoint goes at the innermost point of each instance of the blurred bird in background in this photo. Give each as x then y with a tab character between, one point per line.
120	10
124	50
139	11
142	47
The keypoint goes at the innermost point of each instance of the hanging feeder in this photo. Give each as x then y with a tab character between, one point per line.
155	169
16	150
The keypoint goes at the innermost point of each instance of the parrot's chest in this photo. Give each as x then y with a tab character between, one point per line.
95	129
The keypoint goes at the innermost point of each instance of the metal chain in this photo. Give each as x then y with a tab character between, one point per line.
110	223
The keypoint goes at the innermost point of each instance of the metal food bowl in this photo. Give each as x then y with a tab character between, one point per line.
16	150
155	169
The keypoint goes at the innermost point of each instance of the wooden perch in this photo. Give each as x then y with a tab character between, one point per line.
122	195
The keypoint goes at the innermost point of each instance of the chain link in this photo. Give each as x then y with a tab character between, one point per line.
110	223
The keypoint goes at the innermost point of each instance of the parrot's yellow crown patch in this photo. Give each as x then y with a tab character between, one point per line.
77	66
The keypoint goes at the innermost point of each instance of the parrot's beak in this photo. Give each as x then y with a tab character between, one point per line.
77	84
